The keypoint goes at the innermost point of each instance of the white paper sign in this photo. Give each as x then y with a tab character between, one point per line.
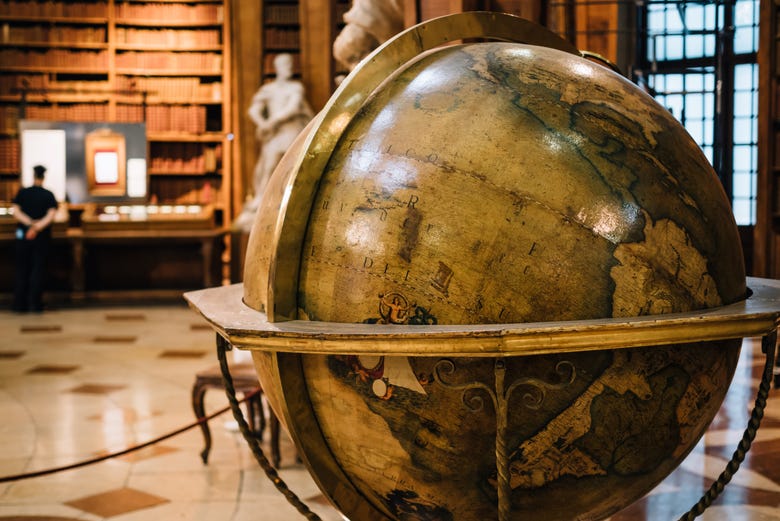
47	148
106	167
136	177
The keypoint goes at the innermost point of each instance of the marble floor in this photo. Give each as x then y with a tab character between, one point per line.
79	383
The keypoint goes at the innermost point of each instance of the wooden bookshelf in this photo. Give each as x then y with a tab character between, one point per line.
165	63
766	248
162	62
281	34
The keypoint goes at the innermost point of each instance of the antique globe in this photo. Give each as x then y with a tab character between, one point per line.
506	180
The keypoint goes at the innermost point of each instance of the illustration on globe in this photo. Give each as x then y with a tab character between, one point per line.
481	192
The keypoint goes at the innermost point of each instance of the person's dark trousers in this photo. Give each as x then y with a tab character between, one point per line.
30	273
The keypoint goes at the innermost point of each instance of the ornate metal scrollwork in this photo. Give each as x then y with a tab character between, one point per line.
500	395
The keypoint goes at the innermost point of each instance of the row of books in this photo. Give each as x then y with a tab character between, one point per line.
206	61
281	14
184	158
69	112
173	89
169	37
10	83
165	89
9	155
9	188
77	86
184	191
199	13
55	58
175	158
282	38
9	118
51	34
165	118
54	9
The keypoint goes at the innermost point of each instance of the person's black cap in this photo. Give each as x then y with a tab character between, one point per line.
39	171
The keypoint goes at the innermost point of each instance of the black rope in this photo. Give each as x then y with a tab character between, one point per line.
98	459
254	444
768	347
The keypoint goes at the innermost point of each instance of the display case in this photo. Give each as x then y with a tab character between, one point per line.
148	217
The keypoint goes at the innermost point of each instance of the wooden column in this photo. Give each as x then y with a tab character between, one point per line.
247	78
766	244
318	30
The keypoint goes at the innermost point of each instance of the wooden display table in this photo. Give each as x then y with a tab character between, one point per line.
128	252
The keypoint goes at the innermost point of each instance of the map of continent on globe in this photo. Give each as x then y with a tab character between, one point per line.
502	194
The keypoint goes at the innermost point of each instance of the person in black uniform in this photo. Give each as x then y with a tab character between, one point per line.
34	208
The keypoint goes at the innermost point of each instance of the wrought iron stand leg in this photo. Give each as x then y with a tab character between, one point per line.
502	464
768	347
254	444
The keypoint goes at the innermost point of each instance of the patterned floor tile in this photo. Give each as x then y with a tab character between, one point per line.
116	502
96	388
200	327
105	339
122	317
53	369
232	486
36	518
40	329
182	353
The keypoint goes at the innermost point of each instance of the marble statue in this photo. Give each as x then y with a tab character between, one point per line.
280	111
369	23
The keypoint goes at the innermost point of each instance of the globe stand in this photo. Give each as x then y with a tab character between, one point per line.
768	347
238	325
251	439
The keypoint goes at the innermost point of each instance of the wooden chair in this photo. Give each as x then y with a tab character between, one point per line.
245	382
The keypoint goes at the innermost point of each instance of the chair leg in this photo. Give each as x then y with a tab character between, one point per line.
198	394
275	456
251	419
260	411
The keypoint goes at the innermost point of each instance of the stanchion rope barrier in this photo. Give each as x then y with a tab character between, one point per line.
98	459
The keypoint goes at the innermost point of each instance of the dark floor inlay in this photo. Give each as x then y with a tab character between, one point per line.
41	329
116	502
37	518
53	369
200	327
118	339
125	316
96	388
182	353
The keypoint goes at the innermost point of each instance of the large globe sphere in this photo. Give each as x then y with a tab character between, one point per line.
503	183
